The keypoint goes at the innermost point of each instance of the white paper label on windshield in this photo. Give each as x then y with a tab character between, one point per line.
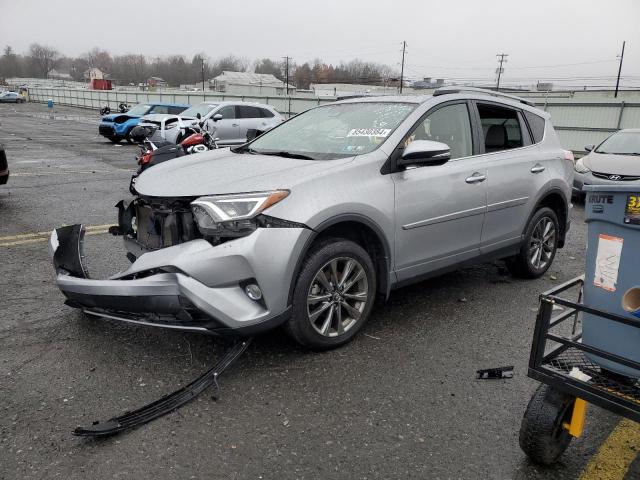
608	262
369	132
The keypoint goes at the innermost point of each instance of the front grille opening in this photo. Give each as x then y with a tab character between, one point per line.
163	223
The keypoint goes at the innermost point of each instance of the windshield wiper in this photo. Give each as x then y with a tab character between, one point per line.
284	153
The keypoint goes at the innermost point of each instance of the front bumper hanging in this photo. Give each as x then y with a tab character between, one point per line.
191	286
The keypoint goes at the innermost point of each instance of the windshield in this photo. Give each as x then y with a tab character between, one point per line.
621	143
335	131
201	109
139	109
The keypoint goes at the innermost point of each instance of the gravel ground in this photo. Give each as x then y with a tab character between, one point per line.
400	401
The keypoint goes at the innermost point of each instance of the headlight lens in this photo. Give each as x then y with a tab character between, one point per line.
232	214
580	167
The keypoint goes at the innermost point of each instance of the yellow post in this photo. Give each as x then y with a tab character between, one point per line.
578	416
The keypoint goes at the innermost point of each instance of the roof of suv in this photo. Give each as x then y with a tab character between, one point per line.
464	92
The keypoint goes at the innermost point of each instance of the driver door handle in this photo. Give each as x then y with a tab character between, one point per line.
234	124
537	168
476	178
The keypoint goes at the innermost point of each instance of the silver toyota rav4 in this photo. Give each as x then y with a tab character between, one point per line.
313	221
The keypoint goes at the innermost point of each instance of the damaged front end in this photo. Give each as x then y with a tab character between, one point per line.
180	278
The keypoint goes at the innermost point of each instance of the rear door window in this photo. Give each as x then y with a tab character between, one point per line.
501	128
246	111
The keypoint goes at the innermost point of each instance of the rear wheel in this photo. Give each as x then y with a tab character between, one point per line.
333	296
539	247
542	434
115	139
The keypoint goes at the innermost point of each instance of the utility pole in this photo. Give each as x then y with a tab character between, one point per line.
500	69
286	72
203	91
619	70
404	47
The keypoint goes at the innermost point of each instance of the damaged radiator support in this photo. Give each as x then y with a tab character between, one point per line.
168	403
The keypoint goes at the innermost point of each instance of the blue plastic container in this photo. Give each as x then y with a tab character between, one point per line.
612	276
50	103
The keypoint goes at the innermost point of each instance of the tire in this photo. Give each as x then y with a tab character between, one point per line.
334	320
542	436
115	139
524	265
127	137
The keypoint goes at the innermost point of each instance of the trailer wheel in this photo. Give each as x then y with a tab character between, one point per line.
542	436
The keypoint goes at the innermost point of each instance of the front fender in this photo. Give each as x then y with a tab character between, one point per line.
124	127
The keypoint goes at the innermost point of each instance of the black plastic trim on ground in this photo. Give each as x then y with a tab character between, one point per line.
168	403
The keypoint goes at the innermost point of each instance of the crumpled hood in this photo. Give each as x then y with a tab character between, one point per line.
222	171
158	117
613	164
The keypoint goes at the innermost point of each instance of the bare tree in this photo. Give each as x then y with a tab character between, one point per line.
43	57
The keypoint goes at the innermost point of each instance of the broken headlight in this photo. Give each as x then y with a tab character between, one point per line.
232	215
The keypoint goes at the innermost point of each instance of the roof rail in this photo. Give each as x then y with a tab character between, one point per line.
493	93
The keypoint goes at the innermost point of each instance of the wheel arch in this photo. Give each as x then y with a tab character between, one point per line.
361	230
556	201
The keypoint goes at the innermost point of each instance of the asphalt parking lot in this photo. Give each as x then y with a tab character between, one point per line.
401	401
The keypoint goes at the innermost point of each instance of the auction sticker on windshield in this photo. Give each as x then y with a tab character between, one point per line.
369	132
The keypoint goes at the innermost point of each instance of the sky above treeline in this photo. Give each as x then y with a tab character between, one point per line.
562	41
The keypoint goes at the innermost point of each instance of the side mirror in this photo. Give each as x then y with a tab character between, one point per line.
425	152
589	148
198	116
216	117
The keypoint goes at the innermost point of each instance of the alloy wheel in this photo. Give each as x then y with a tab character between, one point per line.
337	296
542	243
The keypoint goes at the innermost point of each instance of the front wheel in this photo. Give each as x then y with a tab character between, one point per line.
333	296
539	247
542	434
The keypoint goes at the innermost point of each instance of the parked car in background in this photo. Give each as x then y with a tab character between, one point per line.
4	166
227	121
311	222
11	97
616	161
117	126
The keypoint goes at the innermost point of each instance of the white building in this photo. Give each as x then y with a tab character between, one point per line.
244	83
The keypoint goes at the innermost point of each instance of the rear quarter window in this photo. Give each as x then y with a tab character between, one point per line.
536	125
266	113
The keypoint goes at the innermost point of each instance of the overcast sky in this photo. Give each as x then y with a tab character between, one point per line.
454	39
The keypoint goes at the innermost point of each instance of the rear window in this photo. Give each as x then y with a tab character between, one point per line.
536	125
176	110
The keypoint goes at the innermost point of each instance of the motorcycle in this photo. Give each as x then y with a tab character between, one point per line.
196	140
122	108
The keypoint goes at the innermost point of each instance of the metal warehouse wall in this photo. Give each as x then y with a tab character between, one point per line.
581	118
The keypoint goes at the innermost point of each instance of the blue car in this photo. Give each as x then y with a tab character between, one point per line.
117	126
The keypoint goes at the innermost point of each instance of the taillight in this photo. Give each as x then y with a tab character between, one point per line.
568	155
144	158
